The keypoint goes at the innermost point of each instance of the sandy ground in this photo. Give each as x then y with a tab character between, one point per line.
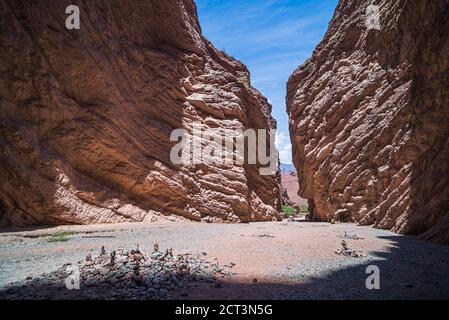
275	260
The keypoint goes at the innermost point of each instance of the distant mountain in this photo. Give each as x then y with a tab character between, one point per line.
290	184
287	168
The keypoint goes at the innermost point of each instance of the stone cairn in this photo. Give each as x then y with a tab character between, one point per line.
122	274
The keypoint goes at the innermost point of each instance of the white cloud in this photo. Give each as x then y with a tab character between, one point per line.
285	147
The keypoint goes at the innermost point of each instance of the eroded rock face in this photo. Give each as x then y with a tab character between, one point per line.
86	116
369	118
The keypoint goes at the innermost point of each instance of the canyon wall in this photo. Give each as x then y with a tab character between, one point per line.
86	116
369	118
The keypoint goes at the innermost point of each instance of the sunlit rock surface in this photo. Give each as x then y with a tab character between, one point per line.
86	116
369	118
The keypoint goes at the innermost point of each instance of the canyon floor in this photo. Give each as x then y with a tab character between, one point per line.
275	260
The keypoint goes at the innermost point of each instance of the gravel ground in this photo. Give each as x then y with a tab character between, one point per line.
275	260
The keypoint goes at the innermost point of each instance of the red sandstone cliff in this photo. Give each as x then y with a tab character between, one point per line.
370	118
86	116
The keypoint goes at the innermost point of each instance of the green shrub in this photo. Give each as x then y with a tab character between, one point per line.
288	211
304	208
62	236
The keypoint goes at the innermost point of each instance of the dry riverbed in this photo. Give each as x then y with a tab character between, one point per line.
275	260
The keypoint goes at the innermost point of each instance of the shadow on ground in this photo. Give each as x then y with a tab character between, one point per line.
412	269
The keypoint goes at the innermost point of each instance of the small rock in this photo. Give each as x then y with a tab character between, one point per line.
112	260
152	291
163	292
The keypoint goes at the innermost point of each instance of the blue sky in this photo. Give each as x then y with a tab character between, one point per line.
272	37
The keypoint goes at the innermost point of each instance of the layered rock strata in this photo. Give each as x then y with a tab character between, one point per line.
369	116
86	116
